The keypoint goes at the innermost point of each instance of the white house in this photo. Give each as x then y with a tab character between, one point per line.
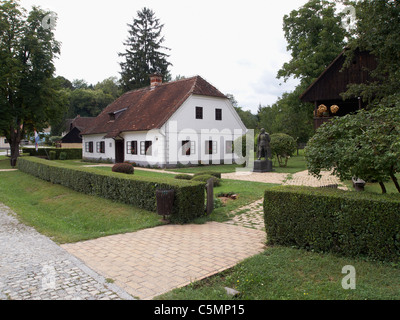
186	121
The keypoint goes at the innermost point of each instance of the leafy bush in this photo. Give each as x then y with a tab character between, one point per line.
211	173
328	220
52	155
137	191
63	155
283	147
364	145
205	177
126	168
72	154
183	177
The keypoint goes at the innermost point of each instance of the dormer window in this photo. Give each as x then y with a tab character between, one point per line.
115	114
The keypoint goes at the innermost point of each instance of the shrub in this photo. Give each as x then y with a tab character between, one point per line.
126	168
212	173
328	220
137	191
63	155
183	177
206	177
52	155
283	147
72	154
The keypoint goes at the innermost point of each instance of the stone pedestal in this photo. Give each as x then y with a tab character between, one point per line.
262	166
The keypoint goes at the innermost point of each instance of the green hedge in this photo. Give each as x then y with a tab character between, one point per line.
137	191
72	154
327	220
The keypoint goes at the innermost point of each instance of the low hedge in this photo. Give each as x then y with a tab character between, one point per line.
212	173
327	220
71	154
137	191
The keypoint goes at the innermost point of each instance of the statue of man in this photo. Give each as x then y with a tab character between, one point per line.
263	149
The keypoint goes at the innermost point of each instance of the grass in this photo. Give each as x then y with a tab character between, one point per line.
65	215
248	191
295	164
290	274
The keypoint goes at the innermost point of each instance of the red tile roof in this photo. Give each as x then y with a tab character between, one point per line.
147	108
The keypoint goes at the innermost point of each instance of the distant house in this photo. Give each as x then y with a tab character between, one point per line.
187	121
4	143
72	138
326	89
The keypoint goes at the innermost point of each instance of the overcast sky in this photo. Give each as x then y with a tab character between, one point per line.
238	46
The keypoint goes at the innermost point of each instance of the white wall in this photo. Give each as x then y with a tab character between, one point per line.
183	125
109	148
157	156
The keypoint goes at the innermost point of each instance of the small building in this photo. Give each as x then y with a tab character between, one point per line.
187	121
73	139
327	88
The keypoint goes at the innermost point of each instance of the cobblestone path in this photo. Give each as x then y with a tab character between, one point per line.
32	267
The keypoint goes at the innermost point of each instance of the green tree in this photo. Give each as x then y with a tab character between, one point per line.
377	31
364	145
144	52
29	95
315	37
283	147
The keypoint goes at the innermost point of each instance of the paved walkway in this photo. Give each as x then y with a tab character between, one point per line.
32	267
150	262
302	178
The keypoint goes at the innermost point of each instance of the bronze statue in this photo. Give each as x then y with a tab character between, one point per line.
263	148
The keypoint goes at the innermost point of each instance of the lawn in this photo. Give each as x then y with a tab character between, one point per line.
68	216
247	191
290	274
295	164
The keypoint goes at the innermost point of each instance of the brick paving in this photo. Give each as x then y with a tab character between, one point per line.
150	262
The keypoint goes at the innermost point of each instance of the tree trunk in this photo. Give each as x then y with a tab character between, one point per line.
15	139
14	145
382	187
395	181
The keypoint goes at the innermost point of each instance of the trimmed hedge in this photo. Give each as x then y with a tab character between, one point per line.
72	154
137	191
327	220
212	173
205	177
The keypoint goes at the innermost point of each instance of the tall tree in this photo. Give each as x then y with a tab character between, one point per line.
315	37
144	52
29	95
377	31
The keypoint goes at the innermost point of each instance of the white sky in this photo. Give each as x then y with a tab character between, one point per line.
238	46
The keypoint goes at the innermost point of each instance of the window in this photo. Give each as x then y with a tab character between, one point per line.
146	148
89	147
211	147
188	148
228	146
218	114
101	147
199	112
131	147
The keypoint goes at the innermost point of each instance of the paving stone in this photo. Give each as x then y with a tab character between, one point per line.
32	267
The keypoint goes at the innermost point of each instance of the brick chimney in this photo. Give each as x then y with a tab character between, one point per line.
155	80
